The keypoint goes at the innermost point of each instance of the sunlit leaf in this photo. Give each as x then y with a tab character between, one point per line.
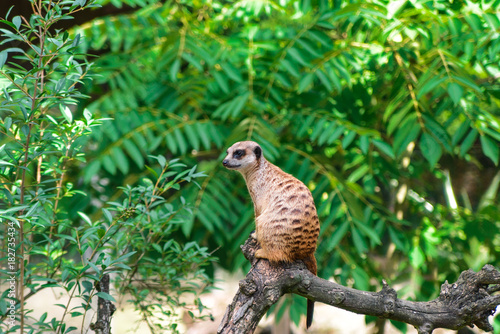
456	91
490	148
431	149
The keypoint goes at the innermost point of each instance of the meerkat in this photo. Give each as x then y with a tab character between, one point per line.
286	221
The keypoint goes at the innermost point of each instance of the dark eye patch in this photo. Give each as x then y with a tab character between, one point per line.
238	154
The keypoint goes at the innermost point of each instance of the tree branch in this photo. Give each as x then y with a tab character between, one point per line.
105	309
467	302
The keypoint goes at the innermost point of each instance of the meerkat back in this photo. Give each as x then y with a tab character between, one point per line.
286	222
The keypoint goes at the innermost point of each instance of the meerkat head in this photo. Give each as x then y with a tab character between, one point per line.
243	156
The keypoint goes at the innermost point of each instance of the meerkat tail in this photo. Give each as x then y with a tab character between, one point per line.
310	313
311	265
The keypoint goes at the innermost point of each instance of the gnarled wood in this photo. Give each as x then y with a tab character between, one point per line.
467	302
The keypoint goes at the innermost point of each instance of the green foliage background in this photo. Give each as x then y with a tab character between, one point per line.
381	107
339	94
387	110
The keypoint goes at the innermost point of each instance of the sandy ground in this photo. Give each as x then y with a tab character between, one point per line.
327	319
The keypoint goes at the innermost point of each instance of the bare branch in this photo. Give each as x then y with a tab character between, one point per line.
467	302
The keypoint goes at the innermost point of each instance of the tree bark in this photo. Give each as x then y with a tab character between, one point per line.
105	309
467	302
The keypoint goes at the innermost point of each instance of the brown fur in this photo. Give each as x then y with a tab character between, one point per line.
286	221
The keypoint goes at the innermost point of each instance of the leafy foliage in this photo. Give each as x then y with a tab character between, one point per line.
372	104
387	110
43	245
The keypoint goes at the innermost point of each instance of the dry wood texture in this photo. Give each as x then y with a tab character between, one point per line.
467	302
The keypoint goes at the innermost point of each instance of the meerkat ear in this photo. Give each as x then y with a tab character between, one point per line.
258	152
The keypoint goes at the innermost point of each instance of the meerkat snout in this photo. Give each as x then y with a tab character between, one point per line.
242	155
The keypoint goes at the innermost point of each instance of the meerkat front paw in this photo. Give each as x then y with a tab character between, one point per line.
253	235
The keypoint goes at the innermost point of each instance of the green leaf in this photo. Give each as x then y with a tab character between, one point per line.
174	69
120	159
455	91
7	122
407	133
318	129
337	235
193	61
32	210
283	79
94	266
320	37
108	215
85	217
152	171
232	72
91	170
396	119
202	130
468	142
298	56
348	139
431	149
108	164
460	132
368	231
361	278
359	241
221	81
359	173
180	140
327	133
133	152
490	148
106	296
161	160
324	80
3	58
305	82
290	67
417	257
335	134
364	144
17	22
467	82
333	77
232	108
397	237
80	3
192	136
309	47
88	115
384	148
171	143
430	85
238	104
76	40
305	124
66	112
474	22
493	21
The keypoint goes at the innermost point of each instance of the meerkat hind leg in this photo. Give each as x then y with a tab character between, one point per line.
261	254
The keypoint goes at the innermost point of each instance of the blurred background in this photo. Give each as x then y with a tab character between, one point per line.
387	110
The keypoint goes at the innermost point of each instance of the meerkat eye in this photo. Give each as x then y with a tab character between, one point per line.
238	154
